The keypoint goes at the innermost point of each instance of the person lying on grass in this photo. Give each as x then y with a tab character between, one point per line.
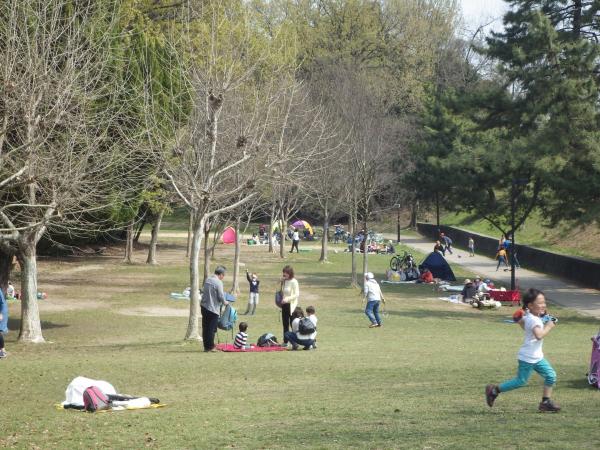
530	356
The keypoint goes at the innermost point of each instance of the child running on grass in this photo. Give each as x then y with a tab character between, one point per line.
241	339
530	355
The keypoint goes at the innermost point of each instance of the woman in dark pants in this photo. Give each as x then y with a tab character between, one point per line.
291	292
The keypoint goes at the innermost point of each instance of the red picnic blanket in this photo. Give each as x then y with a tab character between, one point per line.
254	348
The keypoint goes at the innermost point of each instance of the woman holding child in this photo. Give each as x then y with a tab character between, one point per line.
290	294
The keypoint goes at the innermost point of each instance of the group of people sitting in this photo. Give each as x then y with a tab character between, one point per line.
472	288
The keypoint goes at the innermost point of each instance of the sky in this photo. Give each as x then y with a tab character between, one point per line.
480	12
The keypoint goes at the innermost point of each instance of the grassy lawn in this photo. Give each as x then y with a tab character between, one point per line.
415	383
564	239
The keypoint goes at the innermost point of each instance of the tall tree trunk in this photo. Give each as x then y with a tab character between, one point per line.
324	240
414	213
193	329
437	211
31	327
272	218
6	259
365	252
188	250
154	238
282	222
577	9
139	229
235	288
206	230
129	244
353	220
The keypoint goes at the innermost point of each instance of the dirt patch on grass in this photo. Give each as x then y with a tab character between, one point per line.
155	311
68	305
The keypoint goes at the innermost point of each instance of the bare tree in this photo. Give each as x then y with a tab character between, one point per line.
302	136
59	152
225	131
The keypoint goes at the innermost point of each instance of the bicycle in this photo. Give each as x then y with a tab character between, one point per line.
404	262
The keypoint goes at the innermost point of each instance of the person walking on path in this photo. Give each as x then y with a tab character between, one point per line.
213	298
530	356
374	297
446	242
471	246
295	241
501	257
290	294
254	283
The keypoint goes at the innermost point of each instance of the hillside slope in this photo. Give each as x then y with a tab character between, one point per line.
578	241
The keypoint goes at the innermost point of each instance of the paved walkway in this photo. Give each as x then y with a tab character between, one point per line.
562	292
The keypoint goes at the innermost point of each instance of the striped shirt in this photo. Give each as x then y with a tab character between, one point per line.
241	340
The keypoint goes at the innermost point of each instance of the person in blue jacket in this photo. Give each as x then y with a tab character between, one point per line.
3	323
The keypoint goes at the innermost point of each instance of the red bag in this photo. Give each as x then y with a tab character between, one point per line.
95	400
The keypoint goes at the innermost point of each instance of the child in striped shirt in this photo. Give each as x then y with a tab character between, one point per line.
241	339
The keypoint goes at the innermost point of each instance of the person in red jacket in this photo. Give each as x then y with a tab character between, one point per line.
426	276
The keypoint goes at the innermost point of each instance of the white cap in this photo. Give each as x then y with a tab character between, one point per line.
369	275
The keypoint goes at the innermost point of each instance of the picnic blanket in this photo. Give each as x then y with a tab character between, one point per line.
399	282
448	288
254	348
452	299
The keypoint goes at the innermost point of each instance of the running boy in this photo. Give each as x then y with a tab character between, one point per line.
530	355
241	339
253	298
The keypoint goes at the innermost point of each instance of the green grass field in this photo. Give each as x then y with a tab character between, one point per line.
415	383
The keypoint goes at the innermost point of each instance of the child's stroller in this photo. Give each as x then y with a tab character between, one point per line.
594	373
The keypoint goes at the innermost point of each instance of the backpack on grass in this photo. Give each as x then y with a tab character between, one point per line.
267	340
95	400
227	319
306	326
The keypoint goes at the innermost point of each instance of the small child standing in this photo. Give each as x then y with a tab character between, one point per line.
241	339
253	298
471	246
530	355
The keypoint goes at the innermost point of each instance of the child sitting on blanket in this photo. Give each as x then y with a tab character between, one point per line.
241	339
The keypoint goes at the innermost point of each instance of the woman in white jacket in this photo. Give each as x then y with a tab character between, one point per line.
291	293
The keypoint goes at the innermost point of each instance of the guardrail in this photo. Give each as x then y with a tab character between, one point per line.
569	267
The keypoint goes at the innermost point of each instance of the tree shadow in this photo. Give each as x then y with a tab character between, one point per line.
14	324
439	314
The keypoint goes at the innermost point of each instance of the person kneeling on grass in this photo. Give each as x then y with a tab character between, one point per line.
374	297
530	355
304	329
241	339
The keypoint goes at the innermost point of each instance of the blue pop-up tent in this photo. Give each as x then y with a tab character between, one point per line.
438	266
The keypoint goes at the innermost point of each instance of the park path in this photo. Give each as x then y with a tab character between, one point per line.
560	291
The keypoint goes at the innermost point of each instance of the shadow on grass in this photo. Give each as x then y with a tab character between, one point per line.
578	383
427	313
15	324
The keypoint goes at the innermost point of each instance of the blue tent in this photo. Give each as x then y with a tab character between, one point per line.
438	266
